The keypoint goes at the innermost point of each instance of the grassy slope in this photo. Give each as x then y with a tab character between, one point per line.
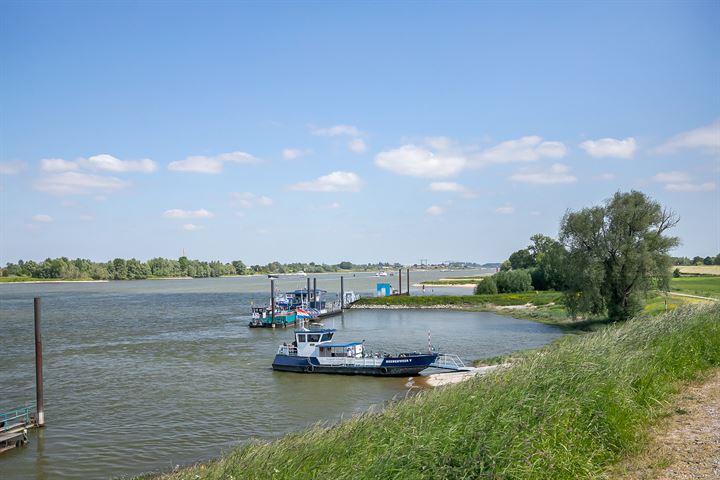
569	412
706	286
502	299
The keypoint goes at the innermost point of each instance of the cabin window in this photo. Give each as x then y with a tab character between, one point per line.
328	336
301	338
313	337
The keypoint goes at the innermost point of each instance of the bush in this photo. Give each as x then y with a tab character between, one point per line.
513	281
487	286
676	273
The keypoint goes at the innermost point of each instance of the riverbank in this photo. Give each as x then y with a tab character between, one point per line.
571	411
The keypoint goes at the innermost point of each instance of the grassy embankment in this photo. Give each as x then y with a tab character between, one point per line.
570	412
474	280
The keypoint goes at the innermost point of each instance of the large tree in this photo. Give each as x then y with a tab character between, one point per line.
616	253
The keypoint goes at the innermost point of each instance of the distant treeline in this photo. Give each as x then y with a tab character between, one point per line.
132	269
685	261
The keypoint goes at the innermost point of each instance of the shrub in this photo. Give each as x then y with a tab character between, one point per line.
487	286
513	281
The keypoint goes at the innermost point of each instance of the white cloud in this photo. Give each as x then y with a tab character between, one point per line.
682	182
705	138
690	187
610	147
75	183
111	164
11	167
439	143
604	176
334	205
210	164
524	149
506	210
191	227
435	210
337	130
41	217
357	145
558	173
452	187
672	177
294	153
179	213
333	182
420	162
250	200
57	165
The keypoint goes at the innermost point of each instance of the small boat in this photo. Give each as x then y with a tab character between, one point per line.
262	318
381	274
313	351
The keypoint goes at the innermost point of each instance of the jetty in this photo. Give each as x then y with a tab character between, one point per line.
14	424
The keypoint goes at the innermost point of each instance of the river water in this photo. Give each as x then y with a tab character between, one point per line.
146	375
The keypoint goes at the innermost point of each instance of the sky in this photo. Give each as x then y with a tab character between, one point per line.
331	131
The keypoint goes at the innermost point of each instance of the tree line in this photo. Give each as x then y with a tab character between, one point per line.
123	269
605	260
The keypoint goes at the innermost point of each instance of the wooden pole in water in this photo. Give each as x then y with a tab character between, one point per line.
400	280
408	282
272	301
342	293
315	299
39	392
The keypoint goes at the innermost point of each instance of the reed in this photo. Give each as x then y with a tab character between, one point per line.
567	411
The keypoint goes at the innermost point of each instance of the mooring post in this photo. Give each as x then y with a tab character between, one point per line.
308	293
315	299
408	282
40	394
342	293
272	302
400	280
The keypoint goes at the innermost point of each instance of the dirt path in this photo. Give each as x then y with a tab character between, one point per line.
677	294
686	445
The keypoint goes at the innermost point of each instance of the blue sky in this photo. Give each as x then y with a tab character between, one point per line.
330	131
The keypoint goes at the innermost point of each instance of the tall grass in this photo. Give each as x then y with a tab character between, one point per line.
501	299
567	412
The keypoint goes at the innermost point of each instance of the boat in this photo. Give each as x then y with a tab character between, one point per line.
313	351
351	297
262	318
381	274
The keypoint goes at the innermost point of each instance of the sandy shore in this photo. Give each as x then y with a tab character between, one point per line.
440	379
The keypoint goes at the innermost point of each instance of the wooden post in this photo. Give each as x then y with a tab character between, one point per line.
272	302
342	293
400	280
315	299
39	391
408	282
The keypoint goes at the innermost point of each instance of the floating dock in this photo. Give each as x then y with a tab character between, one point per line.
14	426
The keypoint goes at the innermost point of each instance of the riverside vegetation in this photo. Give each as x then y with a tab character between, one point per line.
570	410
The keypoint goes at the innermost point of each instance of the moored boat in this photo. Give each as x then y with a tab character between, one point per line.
313	351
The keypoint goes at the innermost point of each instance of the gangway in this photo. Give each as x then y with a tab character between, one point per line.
449	361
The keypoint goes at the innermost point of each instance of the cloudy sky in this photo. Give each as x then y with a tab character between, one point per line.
329	132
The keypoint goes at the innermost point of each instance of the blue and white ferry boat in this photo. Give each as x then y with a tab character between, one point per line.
313	351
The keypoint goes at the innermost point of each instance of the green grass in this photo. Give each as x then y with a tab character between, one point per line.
455	281
569	411
501	299
705	286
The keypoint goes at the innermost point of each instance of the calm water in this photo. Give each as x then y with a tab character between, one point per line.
145	375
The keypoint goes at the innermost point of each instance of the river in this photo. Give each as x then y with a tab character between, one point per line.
145	375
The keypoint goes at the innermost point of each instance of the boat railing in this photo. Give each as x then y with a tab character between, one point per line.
352	361
14	418
289	350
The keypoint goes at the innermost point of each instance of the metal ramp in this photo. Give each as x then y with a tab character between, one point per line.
449	361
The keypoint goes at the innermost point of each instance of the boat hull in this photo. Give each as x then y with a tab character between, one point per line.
390	366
